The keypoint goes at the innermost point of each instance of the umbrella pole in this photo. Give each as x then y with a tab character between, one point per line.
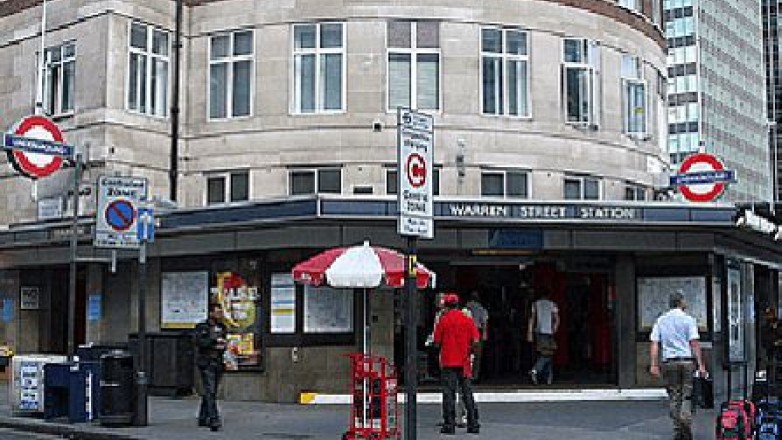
366	353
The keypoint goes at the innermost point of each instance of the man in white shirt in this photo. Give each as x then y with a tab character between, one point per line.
677	333
543	324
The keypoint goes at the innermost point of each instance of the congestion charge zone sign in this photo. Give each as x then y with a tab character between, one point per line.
116	219
415	154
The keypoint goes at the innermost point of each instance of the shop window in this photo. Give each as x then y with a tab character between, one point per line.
392	181
230	74
582	188
505	72
414	65
228	187
59	79
318	68
581	88
148	70
317	181
505	183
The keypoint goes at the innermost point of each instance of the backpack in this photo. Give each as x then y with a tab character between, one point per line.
735	420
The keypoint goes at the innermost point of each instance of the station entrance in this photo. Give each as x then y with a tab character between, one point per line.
586	335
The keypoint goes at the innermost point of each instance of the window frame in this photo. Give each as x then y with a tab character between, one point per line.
231	60
315	171
53	105
227	178
318	52
635	189
393	169
591	65
150	56
505	58
413	51
582	187
504	173
629	81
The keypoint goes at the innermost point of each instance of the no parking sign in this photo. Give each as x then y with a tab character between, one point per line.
116	219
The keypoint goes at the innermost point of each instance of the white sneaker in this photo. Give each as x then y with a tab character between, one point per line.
533	375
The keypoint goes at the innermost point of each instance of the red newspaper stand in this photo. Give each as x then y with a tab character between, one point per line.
374	412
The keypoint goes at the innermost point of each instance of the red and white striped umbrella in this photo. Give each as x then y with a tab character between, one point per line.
361	266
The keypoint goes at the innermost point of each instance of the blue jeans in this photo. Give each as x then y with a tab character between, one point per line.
210	378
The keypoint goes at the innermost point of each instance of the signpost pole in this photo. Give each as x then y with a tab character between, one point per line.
73	250
141	377
411	338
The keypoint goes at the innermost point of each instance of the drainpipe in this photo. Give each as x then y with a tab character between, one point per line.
173	172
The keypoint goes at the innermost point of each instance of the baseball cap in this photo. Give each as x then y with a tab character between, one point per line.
450	299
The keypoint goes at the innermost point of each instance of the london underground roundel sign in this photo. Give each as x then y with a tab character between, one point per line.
702	177
36	165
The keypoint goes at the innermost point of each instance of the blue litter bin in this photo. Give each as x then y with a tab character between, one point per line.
68	391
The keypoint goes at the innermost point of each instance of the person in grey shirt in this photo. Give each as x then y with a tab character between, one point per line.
481	318
675	337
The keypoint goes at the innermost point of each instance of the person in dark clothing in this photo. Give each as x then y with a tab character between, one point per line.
771	341
457	336
210	339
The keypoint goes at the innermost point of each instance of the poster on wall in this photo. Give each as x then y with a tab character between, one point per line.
184	299
283	303
328	310
654	293
241	304
735	317
30	298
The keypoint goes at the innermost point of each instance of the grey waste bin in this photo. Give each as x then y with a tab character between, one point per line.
117	395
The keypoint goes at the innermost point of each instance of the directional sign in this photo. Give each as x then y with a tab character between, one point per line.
702	177
116	218
146	224
415	155
35	147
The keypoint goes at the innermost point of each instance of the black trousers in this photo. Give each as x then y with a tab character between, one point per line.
210	379
453	378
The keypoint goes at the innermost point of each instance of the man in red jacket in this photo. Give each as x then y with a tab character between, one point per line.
457	336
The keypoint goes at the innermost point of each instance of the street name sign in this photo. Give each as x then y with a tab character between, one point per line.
415	153
35	147
116	217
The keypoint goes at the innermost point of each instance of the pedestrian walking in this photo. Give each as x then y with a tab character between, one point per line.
456	336
210	338
676	333
480	317
543	324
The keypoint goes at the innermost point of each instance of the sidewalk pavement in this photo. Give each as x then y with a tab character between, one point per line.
175	419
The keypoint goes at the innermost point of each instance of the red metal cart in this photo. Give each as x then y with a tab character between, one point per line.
374	412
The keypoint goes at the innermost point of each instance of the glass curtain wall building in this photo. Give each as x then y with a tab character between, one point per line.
774	90
716	95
